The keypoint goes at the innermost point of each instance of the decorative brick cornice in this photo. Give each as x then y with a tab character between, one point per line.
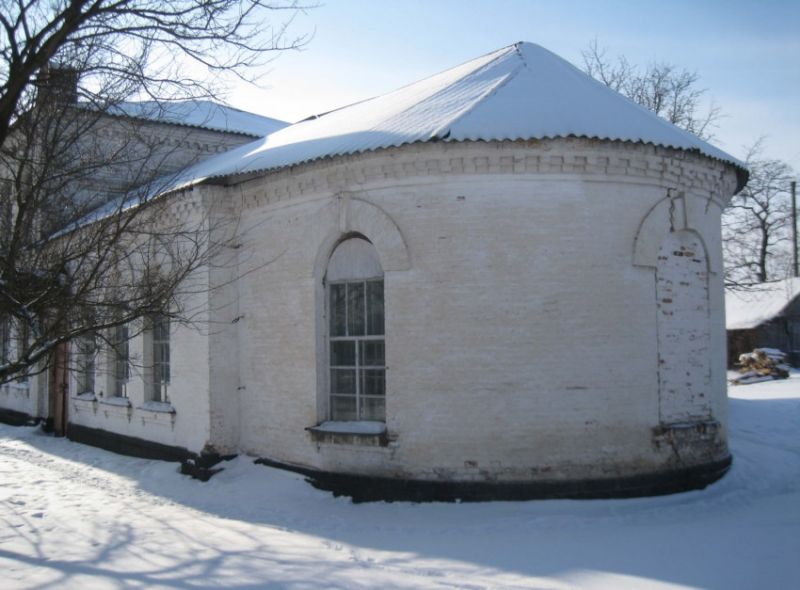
591	160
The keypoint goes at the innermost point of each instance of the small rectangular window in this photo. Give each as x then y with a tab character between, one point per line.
121	360
86	349
23	342
161	357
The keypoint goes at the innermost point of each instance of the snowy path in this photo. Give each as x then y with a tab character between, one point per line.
73	516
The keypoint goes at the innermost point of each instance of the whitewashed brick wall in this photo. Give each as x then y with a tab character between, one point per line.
188	426
521	340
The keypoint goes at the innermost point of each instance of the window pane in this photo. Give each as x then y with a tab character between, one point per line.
372	353
157	374
355	309
5	340
373	408
338	310
343	407
343	380
161	356
159	392
373	382
85	363
161	368
86	346
165	371
375	308
161	362
343	353
122	371
158	327
121	364
121	340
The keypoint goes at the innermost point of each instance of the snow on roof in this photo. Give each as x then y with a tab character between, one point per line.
518	92
200	113
758	304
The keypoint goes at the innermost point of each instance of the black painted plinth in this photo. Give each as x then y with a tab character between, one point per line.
375	489
126	445
15	418
197	466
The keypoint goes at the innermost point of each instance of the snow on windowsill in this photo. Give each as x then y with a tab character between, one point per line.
86	396
116	401
161	407
352	427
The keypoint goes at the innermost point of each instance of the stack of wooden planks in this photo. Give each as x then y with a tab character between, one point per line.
762	364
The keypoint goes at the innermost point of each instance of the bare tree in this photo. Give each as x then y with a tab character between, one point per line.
757	224
670	92
84	244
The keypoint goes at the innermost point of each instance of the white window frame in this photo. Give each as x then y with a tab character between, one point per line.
85	355
119	360
21	339
158	339
360	274
358	366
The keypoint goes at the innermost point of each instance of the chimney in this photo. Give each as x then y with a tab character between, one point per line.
58	84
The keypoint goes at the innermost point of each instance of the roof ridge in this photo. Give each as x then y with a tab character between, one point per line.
436	134
500	53
491	91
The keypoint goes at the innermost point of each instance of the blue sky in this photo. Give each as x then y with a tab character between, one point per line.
746	53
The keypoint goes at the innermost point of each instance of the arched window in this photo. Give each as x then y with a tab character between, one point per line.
357	367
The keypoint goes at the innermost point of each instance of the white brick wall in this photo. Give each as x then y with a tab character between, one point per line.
189	426
19	397
521	341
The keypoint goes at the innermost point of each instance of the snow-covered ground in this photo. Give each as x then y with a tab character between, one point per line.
72	516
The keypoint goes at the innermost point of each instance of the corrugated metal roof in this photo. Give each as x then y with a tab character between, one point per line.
200	113
519	92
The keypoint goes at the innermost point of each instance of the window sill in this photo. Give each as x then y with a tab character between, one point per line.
118	401
350	433
158	407
86	396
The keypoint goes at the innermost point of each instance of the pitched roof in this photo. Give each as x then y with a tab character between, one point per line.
518	92
759	304
205	114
